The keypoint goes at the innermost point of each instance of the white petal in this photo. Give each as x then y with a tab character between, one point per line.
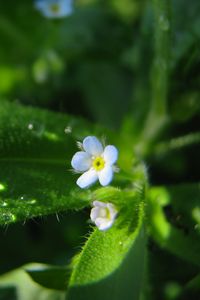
92	146
112	210
105	175
103	224
66	7
45	6
94	213
98	212
99	203
40	5
81	161
110	154
87	178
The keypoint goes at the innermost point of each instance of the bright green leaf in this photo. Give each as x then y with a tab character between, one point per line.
109	259
177	238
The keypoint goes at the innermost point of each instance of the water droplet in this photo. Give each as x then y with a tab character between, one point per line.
30	126
8	217
68	130
164	23
23	197
36	128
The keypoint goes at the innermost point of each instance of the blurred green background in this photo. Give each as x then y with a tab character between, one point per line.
96	63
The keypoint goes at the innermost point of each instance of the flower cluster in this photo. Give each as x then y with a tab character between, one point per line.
96	163
54	8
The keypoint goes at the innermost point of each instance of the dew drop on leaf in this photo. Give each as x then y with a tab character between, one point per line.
24	198
8	217
30	126
36	128
68	129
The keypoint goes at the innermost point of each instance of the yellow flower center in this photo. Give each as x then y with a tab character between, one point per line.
98	163
55	8
104	213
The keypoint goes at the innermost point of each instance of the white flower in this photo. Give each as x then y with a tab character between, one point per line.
103	214
54	8
95	162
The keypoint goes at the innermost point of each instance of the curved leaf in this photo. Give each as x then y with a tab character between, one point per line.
18	285
36	147
116	255
169	233
51	277
185	200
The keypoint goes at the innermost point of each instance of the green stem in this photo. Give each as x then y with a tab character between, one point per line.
160	70
177	143
157	116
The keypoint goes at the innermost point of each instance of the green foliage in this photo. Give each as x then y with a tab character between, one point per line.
174	233
103	253
17	284
124	282
35	158
132	66
51	277
107	255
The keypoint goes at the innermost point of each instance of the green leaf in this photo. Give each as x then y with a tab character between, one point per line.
186	205
19	281
112	262
36	148
166	231
52	277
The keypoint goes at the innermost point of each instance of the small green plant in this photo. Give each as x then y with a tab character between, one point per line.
143	230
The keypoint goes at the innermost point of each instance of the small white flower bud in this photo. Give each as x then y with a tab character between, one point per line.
103	214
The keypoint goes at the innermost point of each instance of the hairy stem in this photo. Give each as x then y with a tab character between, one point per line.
178	143
157	116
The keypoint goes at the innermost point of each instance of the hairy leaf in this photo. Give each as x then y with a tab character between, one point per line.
36	147
112	261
